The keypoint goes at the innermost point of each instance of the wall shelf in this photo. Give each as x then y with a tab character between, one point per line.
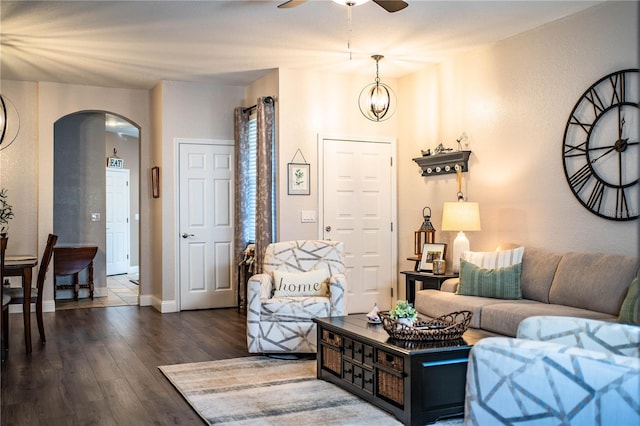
443	163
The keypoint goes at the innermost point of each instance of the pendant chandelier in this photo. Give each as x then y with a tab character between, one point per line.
9	122
377	100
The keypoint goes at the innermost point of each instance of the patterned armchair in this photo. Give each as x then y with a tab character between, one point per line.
284	323
558	371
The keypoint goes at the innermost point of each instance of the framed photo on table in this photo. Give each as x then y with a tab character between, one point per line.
431	252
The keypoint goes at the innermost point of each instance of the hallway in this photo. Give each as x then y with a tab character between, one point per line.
120	292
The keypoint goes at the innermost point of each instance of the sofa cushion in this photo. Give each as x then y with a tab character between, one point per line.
498	283
294	309
630	310
538	269
312	283
494	259
434	303
505	318
593	281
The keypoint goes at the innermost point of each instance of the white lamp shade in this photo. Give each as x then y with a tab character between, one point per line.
461	216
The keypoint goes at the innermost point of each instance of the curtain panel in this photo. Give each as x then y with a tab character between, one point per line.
265	183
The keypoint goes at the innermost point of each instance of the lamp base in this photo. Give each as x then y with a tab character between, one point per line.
460	245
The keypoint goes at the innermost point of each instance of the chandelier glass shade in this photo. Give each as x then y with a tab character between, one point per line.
377	100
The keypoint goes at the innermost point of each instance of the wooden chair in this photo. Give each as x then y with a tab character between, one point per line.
6	299
17	294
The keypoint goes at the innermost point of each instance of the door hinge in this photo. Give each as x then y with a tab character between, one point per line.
391	292
391	159
391	226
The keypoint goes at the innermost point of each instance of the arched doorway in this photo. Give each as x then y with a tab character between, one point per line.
83	143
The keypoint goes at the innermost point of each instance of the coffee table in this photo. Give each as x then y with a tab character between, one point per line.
418	382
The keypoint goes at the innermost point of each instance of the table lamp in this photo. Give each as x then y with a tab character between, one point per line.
460	216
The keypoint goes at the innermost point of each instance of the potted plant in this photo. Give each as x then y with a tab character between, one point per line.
6	212
404	313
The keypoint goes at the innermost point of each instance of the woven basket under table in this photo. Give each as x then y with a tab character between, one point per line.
447	327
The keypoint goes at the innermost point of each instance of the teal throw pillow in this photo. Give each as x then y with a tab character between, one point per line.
498	283
630	310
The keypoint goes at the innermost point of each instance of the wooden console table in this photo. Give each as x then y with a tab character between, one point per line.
417	382
71	260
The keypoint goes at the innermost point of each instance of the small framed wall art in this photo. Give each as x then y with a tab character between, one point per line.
298	178
155	181
431	252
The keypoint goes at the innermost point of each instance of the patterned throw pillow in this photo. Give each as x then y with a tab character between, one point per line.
498	283
630	310
294	284
494	259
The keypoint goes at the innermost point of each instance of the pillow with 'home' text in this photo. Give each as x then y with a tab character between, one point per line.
497	283
312	283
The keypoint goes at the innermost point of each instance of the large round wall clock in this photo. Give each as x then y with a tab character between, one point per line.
600	148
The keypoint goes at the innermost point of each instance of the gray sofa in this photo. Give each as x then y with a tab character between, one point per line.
585	285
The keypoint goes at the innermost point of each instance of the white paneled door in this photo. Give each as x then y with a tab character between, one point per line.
206	225
117	221
357	203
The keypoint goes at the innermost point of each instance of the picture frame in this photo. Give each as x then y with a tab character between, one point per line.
155	182
431	252
299	182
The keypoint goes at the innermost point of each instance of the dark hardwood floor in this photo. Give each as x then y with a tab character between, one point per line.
99	365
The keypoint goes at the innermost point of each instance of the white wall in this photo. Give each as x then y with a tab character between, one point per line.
313	103
513	99
189	111
18	168
27	165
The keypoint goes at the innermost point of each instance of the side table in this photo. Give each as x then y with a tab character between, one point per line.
69	259
429	278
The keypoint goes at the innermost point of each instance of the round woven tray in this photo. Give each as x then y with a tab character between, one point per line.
447	327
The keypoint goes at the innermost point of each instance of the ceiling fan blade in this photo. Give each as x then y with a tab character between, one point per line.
291	3
391	5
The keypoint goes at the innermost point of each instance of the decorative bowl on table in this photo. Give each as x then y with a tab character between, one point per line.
447	327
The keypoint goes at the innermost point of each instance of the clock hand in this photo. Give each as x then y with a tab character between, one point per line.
602	155
620	122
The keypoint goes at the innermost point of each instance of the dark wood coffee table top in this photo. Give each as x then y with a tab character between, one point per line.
375	334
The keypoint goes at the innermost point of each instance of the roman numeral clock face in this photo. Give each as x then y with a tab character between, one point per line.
600	149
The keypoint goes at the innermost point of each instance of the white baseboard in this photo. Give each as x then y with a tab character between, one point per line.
146	300
158	304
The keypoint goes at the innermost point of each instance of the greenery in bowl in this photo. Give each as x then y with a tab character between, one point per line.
6	210
403	310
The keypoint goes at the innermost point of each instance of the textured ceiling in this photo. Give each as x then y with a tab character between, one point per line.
135	44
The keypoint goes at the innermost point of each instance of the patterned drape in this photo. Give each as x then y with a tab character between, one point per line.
265	190
241	151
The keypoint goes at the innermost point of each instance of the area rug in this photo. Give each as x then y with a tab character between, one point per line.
261	390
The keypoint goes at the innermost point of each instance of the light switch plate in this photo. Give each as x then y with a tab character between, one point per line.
95	217
308	216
